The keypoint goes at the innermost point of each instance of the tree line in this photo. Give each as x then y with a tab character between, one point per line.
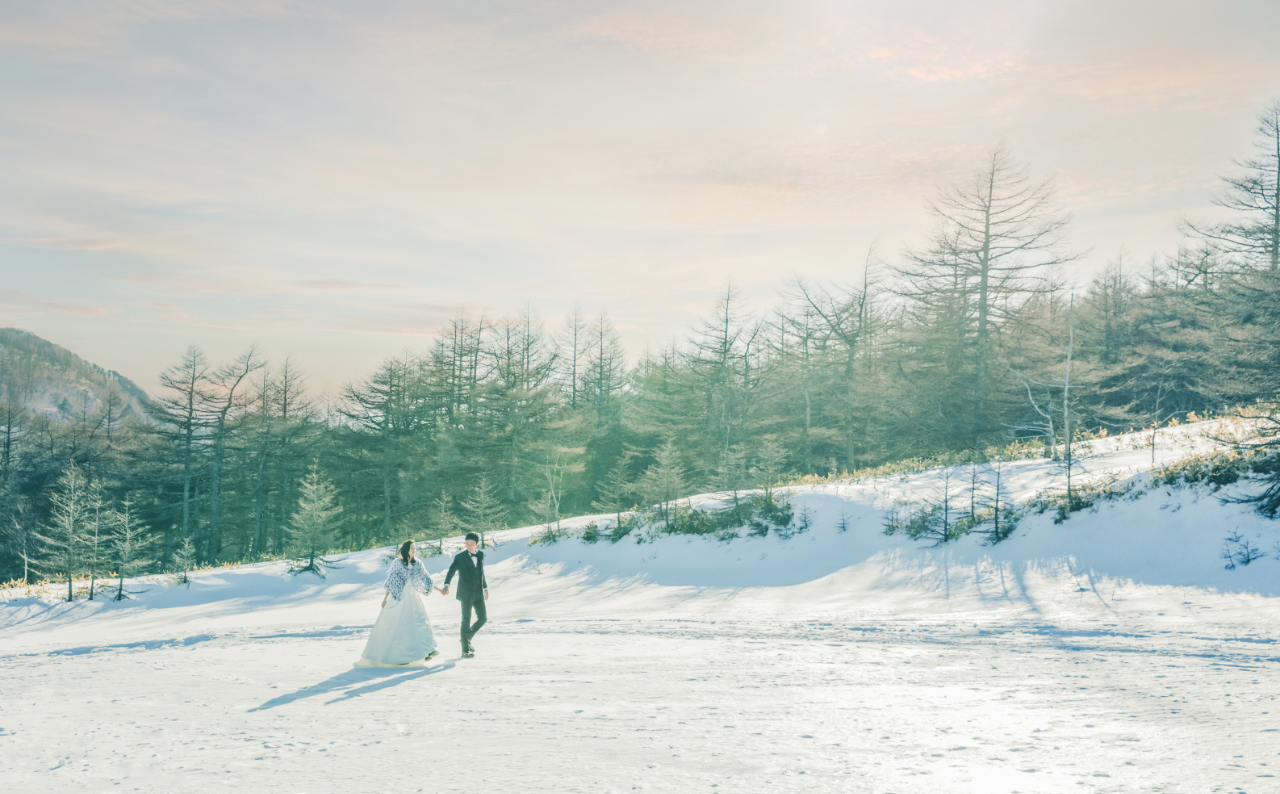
976	336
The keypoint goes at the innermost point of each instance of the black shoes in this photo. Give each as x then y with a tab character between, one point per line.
431	656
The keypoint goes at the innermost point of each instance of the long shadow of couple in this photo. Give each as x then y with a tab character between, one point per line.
349	683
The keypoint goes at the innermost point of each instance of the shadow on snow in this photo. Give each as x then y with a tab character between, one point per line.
357	682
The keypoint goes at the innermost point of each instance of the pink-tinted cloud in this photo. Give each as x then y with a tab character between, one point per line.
70	243
23	303
189	284
335	285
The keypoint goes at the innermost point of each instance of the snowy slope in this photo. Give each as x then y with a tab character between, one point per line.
1111	652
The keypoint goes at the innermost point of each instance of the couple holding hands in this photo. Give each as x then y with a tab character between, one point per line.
402	635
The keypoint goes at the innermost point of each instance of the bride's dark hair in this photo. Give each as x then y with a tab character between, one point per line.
406	553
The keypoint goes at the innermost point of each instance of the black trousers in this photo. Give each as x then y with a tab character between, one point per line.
469	629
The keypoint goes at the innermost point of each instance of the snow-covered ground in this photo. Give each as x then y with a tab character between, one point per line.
1110	653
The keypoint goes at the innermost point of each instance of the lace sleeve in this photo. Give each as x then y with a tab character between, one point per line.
421	580
397	576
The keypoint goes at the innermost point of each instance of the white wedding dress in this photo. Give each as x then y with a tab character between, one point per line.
401	636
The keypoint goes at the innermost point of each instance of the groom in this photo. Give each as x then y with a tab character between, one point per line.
473	590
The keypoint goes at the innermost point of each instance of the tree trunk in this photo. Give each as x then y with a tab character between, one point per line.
386	499
214	540
186	495
984	287
1066	398
259	497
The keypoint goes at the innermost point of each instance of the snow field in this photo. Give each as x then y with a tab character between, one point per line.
1110	653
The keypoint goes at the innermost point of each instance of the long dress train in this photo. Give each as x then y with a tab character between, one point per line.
402	635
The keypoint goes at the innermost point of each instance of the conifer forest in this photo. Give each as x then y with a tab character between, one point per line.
976	337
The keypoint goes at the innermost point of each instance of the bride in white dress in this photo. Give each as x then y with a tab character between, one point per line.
402	636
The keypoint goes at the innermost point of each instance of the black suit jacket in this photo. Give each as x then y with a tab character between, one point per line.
471	581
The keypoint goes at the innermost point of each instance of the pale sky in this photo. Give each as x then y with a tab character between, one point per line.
332	181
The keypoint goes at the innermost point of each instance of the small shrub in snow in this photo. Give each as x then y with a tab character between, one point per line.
759	513
687	521
547	536
1000	524
1089	494
932	518
802	524
1239	550
427	550
1215	469
551	533
773	512
926	521
623	527
23	588
806	518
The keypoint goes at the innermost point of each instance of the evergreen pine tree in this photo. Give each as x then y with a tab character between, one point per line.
664	482
771	459
313	528
1003	519
97	528
443	521
65	535
130	543
485	510
731	472
934	519
21	540
184	559
615	491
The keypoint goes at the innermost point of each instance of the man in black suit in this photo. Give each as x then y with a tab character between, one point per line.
473	590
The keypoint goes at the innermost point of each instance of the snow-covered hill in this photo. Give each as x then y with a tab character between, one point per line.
52	381
1110	652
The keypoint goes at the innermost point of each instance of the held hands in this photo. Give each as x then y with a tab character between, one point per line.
445	591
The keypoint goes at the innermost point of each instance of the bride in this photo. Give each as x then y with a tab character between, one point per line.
402	634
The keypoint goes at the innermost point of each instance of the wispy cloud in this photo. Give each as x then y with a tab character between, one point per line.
244	284
69	243
196	284
26	304
345	286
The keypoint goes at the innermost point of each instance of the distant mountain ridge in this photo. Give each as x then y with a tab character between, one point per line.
52	381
